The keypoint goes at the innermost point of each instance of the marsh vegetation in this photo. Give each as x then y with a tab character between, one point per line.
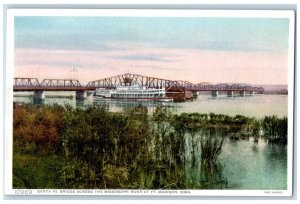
66	147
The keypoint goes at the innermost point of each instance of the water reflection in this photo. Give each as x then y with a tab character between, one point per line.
253	106
199	168
254	148
113	104
203	169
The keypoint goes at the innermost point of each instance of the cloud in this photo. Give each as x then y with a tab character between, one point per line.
145	57
174	64
157	67
63	59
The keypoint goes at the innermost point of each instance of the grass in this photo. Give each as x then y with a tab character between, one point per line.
37	172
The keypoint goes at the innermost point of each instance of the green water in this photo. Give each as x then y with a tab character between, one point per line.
251	166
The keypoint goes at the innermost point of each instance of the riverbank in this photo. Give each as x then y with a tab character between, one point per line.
96	148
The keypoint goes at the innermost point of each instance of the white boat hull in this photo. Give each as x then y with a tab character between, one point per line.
134	93
139	99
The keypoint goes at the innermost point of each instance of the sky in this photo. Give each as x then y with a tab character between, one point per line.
195	49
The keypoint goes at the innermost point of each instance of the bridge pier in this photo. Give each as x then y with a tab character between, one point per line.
214	93
242	93
39	95
195	94
251	93
81	95
230	93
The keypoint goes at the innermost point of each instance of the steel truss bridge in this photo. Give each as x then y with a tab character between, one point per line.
33	84
152	82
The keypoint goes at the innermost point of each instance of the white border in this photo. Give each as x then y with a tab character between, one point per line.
179	2
11	13
152	13
291	67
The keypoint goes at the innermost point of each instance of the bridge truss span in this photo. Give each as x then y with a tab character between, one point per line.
131	79
128	79
26	82
61	83
205	86
33	84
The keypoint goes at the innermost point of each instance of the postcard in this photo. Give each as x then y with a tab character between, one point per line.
149	102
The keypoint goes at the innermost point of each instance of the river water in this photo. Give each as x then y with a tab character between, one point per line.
244	164
253	106
248	165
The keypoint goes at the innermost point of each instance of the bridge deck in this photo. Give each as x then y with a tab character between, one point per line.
84	88
52	88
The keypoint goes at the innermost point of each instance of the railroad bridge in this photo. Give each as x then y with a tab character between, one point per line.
175	88
39	88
